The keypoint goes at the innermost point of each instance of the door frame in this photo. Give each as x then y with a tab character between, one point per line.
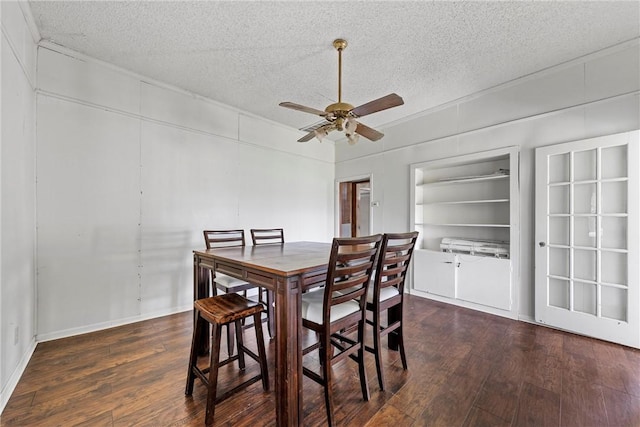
354	178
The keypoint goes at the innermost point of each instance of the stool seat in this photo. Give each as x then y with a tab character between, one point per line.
219	311
227	308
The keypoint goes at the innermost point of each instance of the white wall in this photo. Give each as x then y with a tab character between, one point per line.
590	96
17	196
129	173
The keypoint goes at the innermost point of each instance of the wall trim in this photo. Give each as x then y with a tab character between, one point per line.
110	324
30	78
497	125
519	80
5	394
49	45
138	116
12	383
31	22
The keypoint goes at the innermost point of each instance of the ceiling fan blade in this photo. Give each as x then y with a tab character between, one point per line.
299	107
319	132
369	133
307	137
389	101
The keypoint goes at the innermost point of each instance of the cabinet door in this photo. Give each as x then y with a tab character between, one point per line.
485	280
435	273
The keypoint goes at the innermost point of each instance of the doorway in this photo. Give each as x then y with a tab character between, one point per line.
355	208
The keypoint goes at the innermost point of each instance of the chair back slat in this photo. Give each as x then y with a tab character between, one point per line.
393	263
263	236
223	238
351	265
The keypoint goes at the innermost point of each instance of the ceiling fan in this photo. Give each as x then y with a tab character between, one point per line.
342	116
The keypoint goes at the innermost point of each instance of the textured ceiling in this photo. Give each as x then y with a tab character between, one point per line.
253	55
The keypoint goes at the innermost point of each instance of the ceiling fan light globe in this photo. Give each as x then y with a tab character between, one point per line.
350	125
352	138
320	134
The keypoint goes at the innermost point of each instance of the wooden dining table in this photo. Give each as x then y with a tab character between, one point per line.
285	269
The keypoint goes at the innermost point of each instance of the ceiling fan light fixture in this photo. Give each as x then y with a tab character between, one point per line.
350	126
353	138
320	133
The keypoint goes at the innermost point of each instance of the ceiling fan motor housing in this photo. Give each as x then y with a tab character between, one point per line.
337	112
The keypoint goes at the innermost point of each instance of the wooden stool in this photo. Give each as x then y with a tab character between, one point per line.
219	311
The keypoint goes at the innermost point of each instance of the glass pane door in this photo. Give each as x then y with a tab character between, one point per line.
583	274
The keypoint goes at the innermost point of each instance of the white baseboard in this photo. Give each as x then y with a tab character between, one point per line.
7	391
109	324
528	319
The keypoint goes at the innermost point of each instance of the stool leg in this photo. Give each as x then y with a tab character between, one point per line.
195	347
216	334
240	345
230	338
262	354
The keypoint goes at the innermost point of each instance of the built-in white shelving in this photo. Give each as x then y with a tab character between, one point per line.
472	197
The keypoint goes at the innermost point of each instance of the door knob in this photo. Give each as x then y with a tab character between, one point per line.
542	244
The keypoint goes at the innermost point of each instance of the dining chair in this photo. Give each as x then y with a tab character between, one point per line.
216	239
219	311
338	306
265	236
387	293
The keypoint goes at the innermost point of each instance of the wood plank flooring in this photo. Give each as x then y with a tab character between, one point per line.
465	369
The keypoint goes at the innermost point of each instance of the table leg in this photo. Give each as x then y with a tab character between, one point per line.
288	353
201	290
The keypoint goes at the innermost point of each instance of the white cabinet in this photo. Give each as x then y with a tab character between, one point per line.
436	272
484	280
474	279
471	198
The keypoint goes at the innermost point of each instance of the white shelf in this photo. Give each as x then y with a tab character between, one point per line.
464	225
464	180
468	198
464	202
588	181
589	215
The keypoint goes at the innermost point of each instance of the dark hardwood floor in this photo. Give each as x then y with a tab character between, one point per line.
465	369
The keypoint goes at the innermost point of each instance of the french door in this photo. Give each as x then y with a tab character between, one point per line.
587	257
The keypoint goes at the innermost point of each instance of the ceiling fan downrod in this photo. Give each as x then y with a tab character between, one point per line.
339	110
340	45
